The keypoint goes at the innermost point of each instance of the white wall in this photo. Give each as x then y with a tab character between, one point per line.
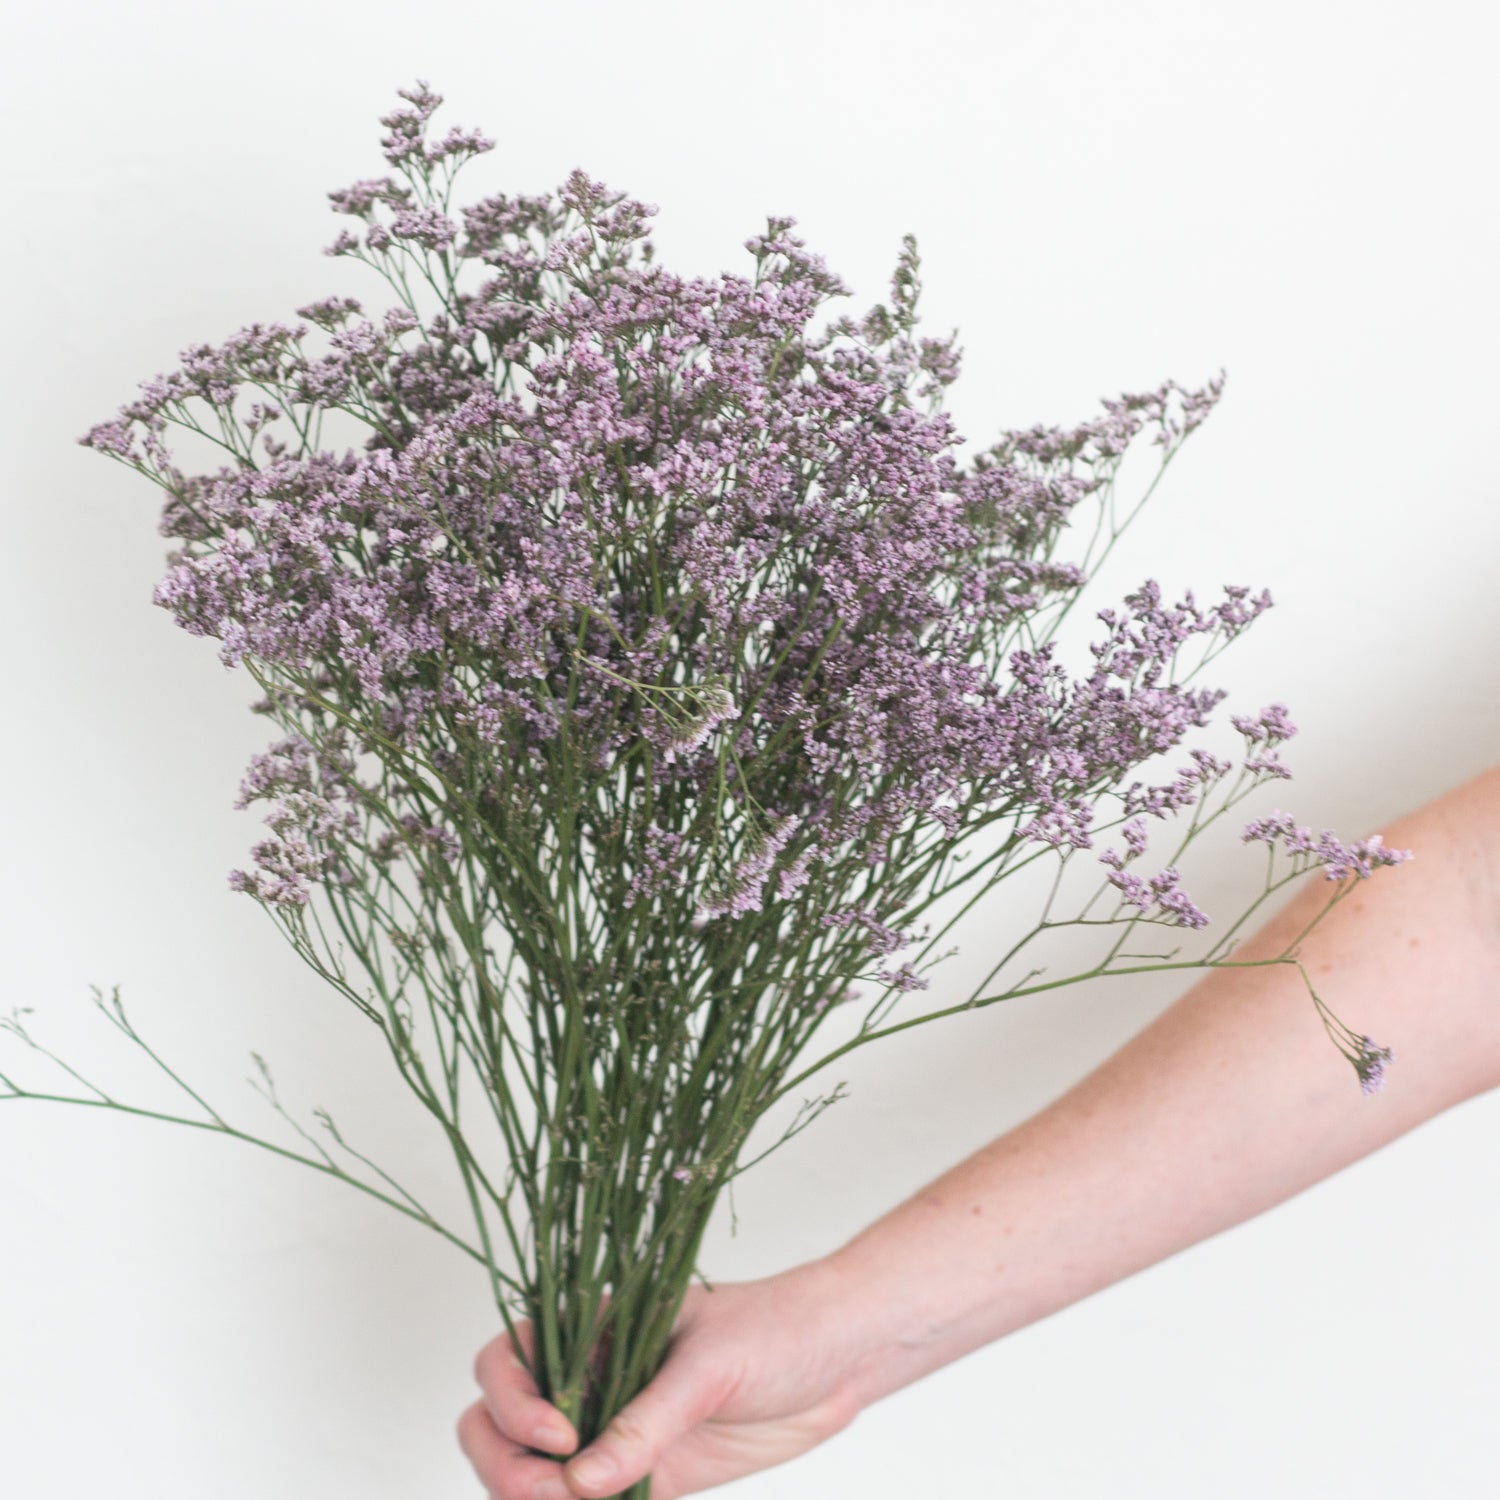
1105	195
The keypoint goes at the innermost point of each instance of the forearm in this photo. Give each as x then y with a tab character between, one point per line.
1230	1102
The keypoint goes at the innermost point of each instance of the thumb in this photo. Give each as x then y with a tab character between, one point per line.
630	1447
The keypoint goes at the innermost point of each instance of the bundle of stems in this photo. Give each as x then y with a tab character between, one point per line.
642	681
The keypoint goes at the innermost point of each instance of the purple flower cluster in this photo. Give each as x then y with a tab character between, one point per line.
903	979
1263	733
876	936
312	820
1337	859
674	562
1370	1063
1158	898
1161	897
744	888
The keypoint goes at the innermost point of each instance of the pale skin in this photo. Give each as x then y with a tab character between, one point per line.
1232	1101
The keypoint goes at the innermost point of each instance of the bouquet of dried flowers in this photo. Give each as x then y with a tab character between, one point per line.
640	681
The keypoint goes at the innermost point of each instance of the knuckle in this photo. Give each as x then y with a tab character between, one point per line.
509	1421
832	1415
630	1432
484	1365
715	1385
469	1425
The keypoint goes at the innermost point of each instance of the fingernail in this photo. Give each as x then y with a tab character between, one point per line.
593	1469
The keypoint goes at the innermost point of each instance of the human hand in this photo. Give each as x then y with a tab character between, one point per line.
756	1373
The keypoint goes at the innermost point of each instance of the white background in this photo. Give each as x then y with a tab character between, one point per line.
1105	195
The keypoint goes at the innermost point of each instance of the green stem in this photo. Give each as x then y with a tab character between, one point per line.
1018	993
219	1128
